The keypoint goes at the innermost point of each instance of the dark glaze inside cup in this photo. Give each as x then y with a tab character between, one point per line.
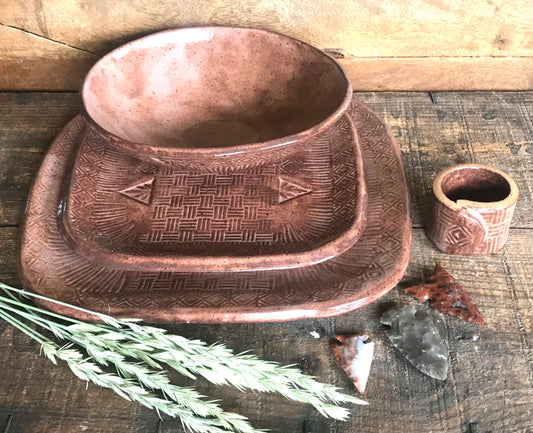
212	88
475	184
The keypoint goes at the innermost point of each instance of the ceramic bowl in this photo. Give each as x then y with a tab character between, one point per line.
214	97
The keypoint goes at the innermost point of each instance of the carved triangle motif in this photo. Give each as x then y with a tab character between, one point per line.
289	190
140	191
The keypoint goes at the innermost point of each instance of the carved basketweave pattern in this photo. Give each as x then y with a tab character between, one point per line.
455	233
185	211
367	270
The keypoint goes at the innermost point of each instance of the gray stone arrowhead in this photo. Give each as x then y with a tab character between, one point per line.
416	336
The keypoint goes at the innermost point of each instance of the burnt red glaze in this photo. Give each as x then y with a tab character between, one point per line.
473	206
215	150
362	274
446	295
135	215
214	97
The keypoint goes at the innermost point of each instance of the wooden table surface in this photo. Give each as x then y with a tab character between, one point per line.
490	384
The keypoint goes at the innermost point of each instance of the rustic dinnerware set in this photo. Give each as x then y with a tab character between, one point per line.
226	175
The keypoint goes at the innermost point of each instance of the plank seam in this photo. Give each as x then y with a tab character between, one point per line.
50	39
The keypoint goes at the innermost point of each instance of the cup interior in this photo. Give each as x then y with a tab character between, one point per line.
475	184
213	87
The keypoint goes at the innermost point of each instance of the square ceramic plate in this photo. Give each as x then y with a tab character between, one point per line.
300	210
363	273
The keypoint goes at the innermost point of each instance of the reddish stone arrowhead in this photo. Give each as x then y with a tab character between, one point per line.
445	294
353	354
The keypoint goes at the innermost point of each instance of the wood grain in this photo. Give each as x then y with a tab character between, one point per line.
381	44
361	28
491	376
494	129
29	124
8	259
31	62
440	73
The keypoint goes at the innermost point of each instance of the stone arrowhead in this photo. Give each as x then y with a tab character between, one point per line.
445	294
417	338
354	355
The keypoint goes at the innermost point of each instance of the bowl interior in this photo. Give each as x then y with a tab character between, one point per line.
212	87
475	184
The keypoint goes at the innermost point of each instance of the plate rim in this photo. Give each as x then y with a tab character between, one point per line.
342	303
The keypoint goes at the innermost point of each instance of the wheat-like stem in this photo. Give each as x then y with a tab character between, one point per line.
129	389
189	357
159	380
133	379
103	317
221	366
118	341
187	398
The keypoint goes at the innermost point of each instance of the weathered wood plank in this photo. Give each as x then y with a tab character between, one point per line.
8	257
495	129
412	45
361	28
30	62
365	74
29	124
440	73
490	365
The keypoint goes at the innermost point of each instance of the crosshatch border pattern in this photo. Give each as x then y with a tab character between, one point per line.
364	273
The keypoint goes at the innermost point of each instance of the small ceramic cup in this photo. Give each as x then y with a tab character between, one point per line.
472	209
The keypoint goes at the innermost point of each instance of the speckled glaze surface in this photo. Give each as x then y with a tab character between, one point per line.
137	215
473	206
364	272
214	97
192	164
